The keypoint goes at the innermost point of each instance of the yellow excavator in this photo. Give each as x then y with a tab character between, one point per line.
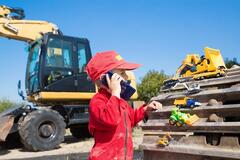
56	85
196	67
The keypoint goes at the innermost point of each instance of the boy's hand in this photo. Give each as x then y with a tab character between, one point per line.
114	84
152	106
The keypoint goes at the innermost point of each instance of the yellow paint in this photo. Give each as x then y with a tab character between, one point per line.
131	77
181	101
63	96
194	118
54	51
4	10
118	57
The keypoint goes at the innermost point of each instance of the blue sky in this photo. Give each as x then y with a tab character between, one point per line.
155	33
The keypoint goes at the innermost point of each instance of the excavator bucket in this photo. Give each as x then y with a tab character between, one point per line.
215	58
6	123
192	119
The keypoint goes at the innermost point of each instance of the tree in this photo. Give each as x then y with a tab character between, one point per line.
150	84
230	63
5	104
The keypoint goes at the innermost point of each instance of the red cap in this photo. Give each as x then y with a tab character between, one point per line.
103	62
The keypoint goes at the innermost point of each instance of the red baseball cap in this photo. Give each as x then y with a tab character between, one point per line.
103	62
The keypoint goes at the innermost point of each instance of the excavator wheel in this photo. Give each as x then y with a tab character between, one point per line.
80	131
42	129
192	106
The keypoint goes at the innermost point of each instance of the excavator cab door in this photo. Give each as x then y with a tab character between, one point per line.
32	72
58	65
84	83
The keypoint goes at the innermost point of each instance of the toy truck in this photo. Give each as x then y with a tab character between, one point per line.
186	102
178	118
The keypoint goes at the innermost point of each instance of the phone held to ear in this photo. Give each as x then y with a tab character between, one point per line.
126	89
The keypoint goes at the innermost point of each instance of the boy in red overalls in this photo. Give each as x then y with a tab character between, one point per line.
111	117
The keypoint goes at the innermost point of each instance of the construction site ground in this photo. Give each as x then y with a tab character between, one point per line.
70	149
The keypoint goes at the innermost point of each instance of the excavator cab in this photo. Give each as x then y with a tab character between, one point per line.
56	65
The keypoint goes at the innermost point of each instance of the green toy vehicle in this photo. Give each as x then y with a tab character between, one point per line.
178	118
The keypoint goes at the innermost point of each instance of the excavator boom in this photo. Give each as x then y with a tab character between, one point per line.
12	26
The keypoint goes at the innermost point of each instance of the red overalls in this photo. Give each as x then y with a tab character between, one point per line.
111	122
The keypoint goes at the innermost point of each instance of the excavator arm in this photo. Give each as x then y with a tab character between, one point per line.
13	26
188	63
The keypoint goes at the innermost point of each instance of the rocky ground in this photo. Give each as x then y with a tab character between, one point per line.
71	149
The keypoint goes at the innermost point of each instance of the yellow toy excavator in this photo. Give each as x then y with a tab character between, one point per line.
55	82
165	140
196	67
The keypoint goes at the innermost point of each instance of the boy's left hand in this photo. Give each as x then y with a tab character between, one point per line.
152	106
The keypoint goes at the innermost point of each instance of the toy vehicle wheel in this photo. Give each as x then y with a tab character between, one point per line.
178	106
80	131
218	75
198	78
179	124
192	106
202	78
172	122
43	129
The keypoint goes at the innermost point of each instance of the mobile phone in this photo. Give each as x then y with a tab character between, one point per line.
126	89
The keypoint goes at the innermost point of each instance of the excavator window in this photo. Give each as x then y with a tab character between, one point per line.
32	69
59	60
82	61
59	54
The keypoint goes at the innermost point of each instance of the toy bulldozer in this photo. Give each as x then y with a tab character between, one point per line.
178	118
196	67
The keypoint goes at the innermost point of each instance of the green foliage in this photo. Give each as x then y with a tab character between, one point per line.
230	63
151	84
5	104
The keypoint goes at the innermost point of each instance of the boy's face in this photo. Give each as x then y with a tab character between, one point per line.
121	72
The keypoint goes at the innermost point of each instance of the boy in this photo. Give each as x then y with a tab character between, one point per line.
111	117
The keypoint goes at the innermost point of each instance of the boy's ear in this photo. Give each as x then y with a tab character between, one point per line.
98	83
101	76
